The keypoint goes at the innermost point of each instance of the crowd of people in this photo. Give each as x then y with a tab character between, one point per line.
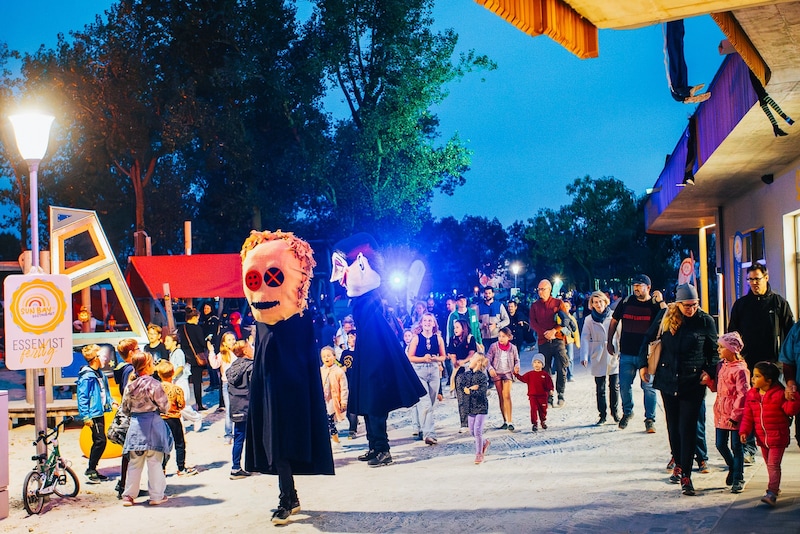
463	349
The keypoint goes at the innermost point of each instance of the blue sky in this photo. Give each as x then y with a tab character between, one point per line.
539	121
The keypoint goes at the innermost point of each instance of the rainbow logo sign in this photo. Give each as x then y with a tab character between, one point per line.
38	306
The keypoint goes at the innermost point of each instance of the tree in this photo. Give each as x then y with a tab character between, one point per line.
390	68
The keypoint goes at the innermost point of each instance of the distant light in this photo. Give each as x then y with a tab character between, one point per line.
557	279
515	268
397	280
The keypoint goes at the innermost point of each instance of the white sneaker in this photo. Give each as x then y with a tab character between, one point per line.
462	430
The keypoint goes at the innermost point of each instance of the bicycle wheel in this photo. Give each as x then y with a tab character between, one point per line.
67	484
31	497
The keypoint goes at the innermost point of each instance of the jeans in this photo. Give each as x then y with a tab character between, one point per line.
239	431
428	374
734	459
628	369
226	398
555	357
701	448
571	356
156	480
613	392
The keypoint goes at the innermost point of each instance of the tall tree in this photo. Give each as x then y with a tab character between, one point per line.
390	68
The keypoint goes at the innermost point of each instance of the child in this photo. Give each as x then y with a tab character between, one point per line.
148	438
503	364
476	384
181	379
731	385
222	360
94	400
334	386
767	411
540	387
172	416
238	376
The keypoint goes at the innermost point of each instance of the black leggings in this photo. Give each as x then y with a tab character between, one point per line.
197	384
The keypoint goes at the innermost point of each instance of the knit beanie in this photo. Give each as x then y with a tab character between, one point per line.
538	356
732	341
685	292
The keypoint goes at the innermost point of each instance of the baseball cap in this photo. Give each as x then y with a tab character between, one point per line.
642	279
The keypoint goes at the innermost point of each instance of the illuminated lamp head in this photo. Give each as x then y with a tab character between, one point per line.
356	264
276	274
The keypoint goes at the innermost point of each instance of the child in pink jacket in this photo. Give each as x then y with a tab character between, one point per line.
731	385
767	411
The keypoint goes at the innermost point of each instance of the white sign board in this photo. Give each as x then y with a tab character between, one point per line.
38	312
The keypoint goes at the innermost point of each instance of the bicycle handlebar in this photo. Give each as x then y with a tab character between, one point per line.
43	435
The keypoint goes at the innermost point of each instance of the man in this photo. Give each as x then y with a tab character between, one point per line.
763	319
551	338
463	311
340	340
636	314
492	316
450	304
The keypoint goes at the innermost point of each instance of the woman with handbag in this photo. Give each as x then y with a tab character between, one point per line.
688	348
191	335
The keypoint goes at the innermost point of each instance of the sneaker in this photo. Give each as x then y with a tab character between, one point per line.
769	498
550	400
503	427
281	516
463	430
729	478
650	426
600	421
156	502
93	477
510	427
380	459
671	464
560	403
615	417
686	486
749	459
677	473
186	472
702	466
737	487
486	444
544	425
478	458
623	423
431	441
367	456
534	428
239	473
127	500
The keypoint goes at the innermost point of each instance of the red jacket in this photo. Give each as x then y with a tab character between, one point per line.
539	382
769	415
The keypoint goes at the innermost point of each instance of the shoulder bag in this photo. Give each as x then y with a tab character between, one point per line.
200	357
654	352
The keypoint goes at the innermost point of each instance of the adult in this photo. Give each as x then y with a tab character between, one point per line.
468	314
593	349
412	321
460	349
450	307
518	324
340	341
637	313
193	344
492	316
763	319
211	326
688	357
426	352
552	341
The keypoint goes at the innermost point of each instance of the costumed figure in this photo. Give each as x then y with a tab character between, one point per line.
287	424
381	378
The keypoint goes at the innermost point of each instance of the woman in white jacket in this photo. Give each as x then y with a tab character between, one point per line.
593	349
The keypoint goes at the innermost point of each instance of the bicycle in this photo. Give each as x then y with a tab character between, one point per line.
52	474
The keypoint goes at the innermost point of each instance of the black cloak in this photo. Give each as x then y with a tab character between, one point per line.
287	418
381	378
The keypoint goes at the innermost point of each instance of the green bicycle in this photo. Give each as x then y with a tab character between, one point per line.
52	474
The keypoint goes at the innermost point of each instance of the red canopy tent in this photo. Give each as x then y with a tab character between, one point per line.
195	276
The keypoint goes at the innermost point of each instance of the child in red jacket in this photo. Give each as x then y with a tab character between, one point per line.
540	387
767	411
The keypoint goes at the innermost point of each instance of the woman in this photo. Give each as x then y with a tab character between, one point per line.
593	349
460	350
210	324
688	348
503	363
148	438
191	338
426	353
413	320
222	361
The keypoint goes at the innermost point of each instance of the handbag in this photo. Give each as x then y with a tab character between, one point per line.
118	428
200	357
654	352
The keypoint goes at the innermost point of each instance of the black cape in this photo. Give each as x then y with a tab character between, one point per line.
287	417
381	378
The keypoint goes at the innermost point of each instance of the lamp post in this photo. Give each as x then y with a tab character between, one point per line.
32	131
515	268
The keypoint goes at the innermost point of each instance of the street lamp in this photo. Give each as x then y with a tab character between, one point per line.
515	268
32	131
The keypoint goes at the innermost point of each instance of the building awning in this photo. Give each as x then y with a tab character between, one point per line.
195	276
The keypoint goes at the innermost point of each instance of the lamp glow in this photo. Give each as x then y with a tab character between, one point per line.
32	131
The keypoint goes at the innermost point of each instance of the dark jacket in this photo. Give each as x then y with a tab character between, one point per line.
763	321
192	342
239	375
684	355
477	403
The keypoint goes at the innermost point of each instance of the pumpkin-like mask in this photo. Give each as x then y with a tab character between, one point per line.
276	273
